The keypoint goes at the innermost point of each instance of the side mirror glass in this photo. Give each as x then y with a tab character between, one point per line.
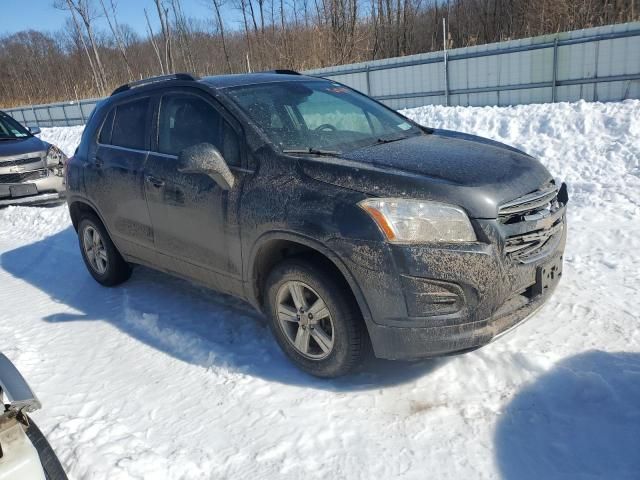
206	159
35	130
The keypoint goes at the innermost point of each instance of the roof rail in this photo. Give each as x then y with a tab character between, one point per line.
150	80
283	72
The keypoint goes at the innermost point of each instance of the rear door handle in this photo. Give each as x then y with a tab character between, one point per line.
156	182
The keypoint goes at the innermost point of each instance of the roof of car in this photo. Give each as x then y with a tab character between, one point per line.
217	81
223	81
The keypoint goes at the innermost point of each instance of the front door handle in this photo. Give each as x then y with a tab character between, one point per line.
156	182
98	162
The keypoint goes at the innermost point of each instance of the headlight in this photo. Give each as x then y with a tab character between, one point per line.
55	157
419	221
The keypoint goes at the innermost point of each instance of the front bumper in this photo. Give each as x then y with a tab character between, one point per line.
38	191
427	301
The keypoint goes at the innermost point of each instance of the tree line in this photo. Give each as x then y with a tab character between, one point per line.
97	51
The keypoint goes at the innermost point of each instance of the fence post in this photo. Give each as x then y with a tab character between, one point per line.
64	113
446	71
555	70
366	72
81	113
35	116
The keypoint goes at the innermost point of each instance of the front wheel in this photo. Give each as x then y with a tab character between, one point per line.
315	319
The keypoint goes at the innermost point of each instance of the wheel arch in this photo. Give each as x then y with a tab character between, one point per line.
274	247
80	206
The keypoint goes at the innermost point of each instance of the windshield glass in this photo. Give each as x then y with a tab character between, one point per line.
10	129
320	116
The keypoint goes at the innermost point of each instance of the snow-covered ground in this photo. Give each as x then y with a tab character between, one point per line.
160	379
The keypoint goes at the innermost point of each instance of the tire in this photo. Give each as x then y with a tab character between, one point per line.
50	464
115	270
341	322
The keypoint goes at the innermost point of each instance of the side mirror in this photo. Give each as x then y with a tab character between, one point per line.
206	159
35	130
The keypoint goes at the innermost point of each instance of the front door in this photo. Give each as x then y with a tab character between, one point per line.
194	219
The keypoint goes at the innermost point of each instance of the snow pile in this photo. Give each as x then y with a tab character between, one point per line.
161	379
595	147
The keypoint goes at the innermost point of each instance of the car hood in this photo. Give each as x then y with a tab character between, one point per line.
475	173
12	148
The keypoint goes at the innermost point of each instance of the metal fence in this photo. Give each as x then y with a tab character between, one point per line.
596	64
55	114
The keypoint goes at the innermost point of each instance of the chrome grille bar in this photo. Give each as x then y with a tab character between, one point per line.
528	202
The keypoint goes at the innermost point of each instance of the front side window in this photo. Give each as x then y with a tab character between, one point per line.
187	120
304	115
129	124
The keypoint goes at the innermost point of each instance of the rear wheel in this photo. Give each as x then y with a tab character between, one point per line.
315	318
104	262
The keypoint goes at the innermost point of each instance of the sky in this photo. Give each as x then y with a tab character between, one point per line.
16	15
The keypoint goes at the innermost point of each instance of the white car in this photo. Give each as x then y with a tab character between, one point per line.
24	452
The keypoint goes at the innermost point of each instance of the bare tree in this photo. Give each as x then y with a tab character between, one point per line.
153	42
165	25
83	10
117	35
220	26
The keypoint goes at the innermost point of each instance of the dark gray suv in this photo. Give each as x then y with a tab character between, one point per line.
347	224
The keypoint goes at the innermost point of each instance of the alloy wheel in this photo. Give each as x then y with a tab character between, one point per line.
305	320
95	250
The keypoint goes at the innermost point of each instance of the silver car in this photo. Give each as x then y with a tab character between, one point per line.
31	170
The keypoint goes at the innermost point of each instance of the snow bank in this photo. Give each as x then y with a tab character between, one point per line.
161	379
594	146
65	138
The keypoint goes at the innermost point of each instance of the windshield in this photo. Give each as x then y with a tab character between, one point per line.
10	129
319	116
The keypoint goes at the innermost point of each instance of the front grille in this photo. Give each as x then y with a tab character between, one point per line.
530	244
23	177
21	161
529	209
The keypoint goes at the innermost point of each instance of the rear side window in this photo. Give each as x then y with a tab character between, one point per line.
129	124
186	120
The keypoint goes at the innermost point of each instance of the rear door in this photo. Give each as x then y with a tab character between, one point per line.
194	220
114	175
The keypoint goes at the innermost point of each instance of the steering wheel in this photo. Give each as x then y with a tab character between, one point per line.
326	126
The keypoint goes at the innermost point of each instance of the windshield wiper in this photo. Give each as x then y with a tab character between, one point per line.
311	151
11	138
381	140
